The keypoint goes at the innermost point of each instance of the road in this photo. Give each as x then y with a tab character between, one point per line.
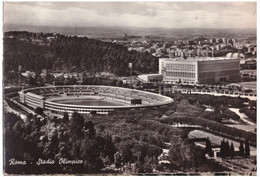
7	108
252	97
242	116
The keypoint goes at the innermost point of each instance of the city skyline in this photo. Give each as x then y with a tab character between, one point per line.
132	14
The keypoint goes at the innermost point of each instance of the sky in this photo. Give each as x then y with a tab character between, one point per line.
134	14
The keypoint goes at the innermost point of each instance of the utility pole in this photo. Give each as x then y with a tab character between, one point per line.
45	73
19	75
131	66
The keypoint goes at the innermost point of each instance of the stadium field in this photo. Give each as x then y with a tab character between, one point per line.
89	101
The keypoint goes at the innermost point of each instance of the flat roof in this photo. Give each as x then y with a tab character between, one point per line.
150	75
198	59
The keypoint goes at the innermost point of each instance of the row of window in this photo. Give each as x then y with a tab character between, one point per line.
55	108
180	67
33	105
180	74
32	100
203	66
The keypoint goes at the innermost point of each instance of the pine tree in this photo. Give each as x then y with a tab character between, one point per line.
241	149
222	147
232	150
227	148
247	149
65	117
208	148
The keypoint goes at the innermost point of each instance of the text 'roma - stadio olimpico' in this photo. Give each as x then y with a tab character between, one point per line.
86	99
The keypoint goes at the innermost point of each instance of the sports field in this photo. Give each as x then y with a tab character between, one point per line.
88	101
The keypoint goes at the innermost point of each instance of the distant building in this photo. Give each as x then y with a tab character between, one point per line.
151	77
58	75
29	74
50	37
200	70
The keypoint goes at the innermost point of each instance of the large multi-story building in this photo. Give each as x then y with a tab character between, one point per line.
200	70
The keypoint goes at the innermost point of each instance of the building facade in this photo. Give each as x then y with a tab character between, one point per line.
200	70
151	77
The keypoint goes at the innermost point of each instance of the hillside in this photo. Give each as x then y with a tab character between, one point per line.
73	54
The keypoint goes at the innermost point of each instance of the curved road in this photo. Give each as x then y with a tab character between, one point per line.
242	116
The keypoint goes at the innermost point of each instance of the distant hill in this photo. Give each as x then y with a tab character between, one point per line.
119	31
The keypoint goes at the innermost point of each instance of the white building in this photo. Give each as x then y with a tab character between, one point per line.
151	77
28	74
200	70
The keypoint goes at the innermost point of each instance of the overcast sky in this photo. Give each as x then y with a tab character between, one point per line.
138	14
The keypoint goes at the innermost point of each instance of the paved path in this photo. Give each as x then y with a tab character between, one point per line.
7	108
248	128
242	116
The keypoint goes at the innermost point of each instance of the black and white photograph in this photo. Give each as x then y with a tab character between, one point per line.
129	88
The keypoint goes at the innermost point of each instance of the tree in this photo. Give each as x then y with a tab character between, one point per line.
222	148
118	159
109	148
227	148
77	124
65	117
89	151
241	149
89	129
181	153
140	151
119	83
208	148
31	80
247	149
126	152
19	127
232	150
38	110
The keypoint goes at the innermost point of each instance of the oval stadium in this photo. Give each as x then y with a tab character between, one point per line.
88	99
